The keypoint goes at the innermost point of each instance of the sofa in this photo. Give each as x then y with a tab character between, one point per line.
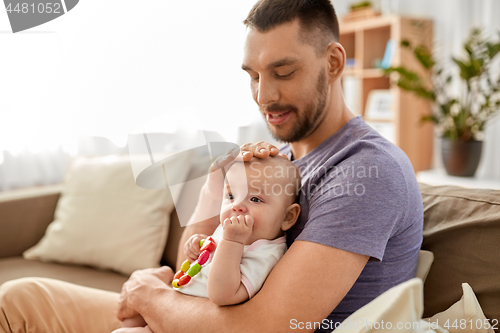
24	217
461	229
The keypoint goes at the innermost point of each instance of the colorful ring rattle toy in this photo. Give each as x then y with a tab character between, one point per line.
188	269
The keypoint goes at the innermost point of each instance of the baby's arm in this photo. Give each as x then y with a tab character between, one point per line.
224	279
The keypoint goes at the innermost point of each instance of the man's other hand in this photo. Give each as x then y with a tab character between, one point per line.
139	287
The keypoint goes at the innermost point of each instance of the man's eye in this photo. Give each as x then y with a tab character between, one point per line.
285	76
255	78
255	199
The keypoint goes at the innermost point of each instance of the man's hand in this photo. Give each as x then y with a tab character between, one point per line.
237	229
139	287
259	149
192	246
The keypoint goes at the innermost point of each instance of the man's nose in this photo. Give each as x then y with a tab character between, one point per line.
267	92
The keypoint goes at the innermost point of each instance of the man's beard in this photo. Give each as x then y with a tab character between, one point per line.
305	122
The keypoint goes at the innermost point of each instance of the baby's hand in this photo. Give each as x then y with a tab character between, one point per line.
237	229
192	246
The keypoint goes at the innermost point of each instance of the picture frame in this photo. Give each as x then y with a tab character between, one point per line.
379	104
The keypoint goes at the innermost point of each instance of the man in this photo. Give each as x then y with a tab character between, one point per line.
360	228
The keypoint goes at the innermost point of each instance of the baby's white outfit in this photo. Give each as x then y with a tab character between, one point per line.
257	261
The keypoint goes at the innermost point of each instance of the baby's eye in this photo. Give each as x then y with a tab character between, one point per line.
256	199
230	197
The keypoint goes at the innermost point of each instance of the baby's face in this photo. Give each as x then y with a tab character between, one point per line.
261	194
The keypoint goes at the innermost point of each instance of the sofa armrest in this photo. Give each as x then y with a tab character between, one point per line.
24	217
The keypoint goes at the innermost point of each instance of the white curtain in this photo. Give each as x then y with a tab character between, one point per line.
107	66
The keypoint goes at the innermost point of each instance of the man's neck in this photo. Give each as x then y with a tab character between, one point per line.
334	120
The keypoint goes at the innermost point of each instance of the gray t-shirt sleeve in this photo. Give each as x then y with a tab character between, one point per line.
357	205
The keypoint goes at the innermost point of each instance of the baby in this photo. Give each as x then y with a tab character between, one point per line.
255	212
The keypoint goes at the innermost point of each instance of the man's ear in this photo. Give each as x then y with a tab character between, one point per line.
336	61
291	215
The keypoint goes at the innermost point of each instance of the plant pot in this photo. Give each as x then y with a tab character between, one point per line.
461	158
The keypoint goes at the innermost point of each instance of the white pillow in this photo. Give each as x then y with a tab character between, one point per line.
466	312
399	309
103	219
403	304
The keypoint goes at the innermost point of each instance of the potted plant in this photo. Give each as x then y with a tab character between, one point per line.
459	119
359	11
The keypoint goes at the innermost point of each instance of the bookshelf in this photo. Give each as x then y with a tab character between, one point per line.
365	42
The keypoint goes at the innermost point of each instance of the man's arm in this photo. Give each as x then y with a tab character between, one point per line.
301	287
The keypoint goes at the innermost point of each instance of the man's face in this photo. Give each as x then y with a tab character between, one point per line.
288	81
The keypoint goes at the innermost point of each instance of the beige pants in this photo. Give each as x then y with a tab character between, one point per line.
52	306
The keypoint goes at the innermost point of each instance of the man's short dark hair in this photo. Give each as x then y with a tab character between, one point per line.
319	25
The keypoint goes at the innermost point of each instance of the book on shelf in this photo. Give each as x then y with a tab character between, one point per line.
390	49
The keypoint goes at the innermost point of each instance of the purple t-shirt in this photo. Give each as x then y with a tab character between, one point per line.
359	194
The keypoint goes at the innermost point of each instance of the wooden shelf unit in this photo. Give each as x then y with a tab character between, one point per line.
365	41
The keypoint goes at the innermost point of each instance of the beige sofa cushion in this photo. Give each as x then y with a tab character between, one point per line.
462	230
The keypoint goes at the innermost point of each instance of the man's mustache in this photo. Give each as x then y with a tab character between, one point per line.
278	108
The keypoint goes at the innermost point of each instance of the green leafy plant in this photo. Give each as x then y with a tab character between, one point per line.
458	117
362	4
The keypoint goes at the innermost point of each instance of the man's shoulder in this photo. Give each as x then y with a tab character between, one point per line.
356	152
369	154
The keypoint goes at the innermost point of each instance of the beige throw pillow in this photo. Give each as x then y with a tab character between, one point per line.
465	315
103	219
399	309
